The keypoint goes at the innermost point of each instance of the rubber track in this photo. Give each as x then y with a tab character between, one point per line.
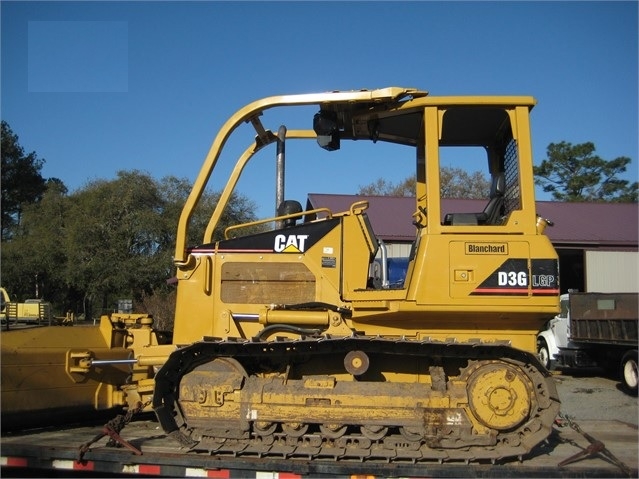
512	444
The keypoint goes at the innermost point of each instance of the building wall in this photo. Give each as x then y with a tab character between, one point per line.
612	271
398	250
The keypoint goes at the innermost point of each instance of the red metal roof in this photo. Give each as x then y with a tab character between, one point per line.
583	224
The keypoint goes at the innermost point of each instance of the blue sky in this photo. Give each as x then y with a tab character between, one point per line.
97	87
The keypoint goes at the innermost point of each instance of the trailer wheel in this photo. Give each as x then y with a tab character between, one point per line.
629	371
544	354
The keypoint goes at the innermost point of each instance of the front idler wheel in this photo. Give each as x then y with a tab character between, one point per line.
500	395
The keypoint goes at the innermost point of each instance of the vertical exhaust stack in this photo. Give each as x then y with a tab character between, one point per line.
280	170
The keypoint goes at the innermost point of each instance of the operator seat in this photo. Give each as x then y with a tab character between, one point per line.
289	207
493	211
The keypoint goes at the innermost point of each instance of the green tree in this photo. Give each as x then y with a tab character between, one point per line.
383	187
114	241
21	183
455	183
575	173
458	183
240	209
110	240
34	260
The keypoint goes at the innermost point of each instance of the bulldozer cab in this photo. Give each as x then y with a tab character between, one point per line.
493	259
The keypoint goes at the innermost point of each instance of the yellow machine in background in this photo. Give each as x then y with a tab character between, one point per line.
282	339
32	311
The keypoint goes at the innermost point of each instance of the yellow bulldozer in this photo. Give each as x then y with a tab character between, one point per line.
31	311
283	342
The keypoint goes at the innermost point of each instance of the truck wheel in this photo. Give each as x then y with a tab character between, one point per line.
629	371
544	354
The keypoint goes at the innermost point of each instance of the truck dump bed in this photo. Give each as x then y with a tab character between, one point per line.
609	318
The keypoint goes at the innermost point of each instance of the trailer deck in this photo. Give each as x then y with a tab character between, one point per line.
54	453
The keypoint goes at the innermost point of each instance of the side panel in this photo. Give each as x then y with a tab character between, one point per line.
487	272
604	318
238	278
471	288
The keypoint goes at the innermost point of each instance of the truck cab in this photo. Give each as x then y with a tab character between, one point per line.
554	335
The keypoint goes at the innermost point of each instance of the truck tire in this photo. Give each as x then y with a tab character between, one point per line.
543	352
629	372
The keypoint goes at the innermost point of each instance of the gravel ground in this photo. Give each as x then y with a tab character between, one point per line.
591	396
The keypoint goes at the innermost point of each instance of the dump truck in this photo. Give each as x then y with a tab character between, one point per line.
33	311
594	330
282	346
